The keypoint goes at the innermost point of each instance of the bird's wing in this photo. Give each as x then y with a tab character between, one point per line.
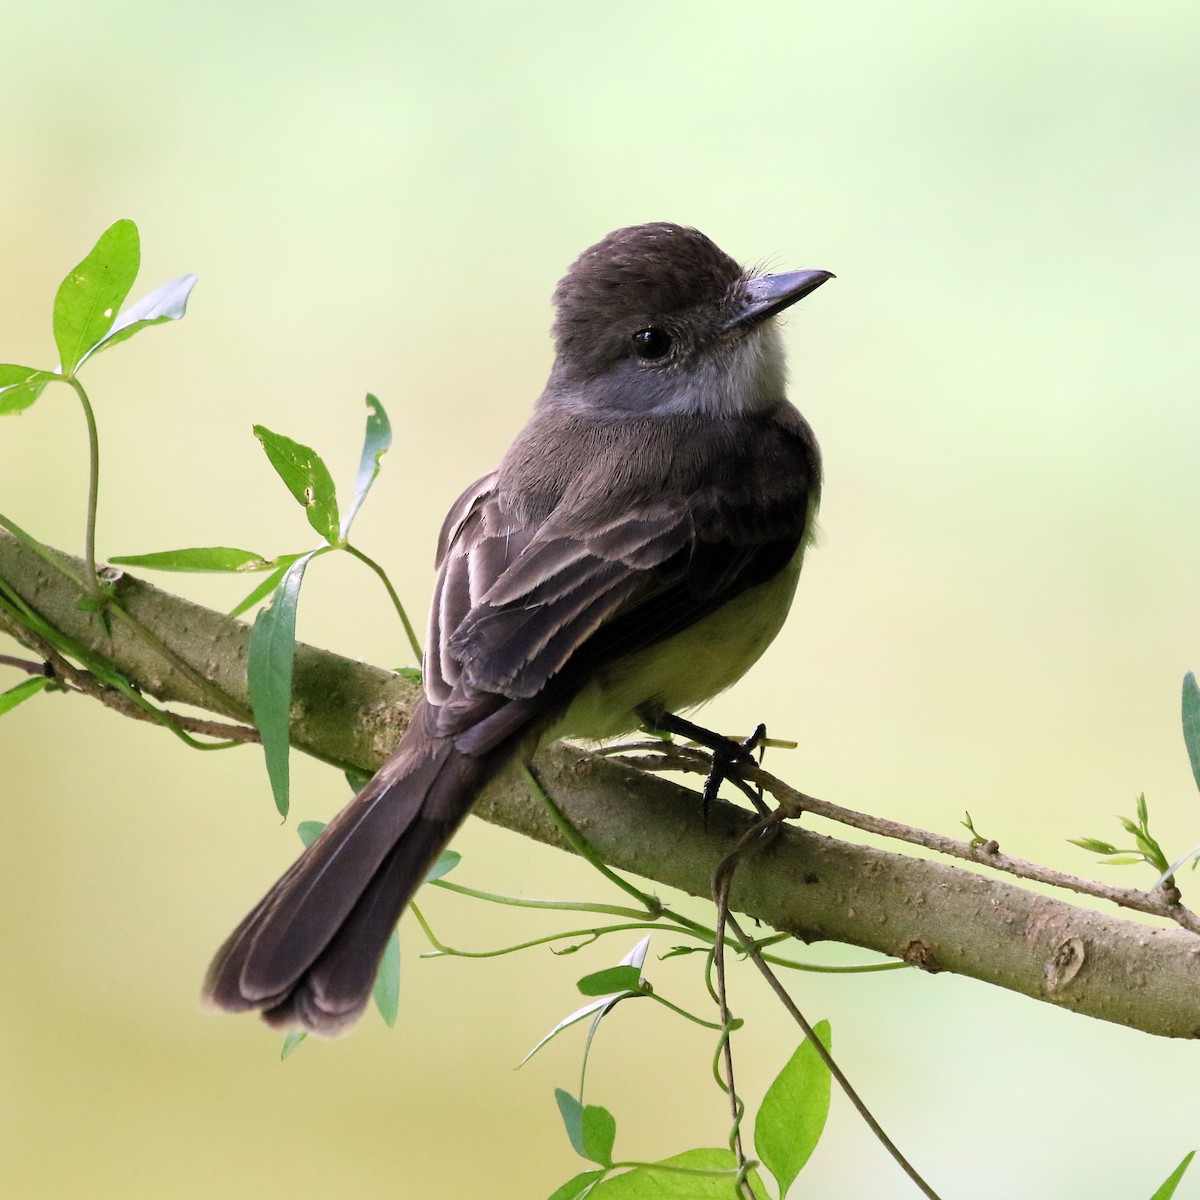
519	606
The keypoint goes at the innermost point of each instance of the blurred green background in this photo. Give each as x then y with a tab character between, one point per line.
382	196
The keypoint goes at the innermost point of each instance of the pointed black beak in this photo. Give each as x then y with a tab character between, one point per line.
766	295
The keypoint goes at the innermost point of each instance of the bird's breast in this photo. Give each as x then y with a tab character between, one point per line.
686	669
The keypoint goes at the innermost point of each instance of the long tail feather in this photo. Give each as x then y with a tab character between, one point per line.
307	953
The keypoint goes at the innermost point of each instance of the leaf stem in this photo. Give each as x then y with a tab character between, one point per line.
571	835
683	1012
89	533
413	641
608	910
589	935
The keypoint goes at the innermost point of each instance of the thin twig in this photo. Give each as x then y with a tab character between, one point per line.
86	684
721	883
828	1060
755	838
1162	902
23	664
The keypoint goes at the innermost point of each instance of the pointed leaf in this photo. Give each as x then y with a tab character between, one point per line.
571	1112
610	981
269	674
309	831
267	586
792	1115
1167	1190
447	861
167	303
356	779
21	692
645	1183
376	443
1094	845
13	373
1191	721
607	1003
599	1134
307	478
197	558
592	1129
88	299
290	1043
21	386
386	990
635	958
577	1188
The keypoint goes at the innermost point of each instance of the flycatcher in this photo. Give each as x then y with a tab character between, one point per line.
634	553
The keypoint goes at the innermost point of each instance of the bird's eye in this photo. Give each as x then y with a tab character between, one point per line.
652	343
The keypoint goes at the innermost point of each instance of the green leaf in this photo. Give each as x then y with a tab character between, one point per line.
1093	845
309	831
197	558
167	303
290	1043
571	1112
1129	826
21	386
635	958
21	692
447	861
267	586
1191	719
792	1115
356	779
1123	860
591	1128
386	990
411	674
610	980
599	1134
376	443
1172	1181
577	1188
88	299
307	478
646	1183
269	674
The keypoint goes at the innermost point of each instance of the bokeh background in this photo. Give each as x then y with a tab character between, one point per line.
381	196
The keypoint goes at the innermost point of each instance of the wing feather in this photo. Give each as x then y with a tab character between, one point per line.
525	601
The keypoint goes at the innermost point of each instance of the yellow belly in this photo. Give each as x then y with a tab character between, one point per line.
690	668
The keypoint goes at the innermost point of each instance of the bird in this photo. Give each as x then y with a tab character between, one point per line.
634	553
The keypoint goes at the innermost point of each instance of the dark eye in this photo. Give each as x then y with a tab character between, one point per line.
651	343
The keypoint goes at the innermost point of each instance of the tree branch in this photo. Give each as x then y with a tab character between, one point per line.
932	915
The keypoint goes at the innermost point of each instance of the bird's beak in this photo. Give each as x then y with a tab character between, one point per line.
766	295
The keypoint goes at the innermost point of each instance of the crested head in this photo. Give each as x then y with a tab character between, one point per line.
659	319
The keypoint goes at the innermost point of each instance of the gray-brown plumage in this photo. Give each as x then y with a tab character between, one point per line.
633	554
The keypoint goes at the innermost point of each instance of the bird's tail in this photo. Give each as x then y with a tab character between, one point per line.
307	954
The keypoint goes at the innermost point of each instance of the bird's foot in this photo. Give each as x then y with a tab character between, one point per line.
726	754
